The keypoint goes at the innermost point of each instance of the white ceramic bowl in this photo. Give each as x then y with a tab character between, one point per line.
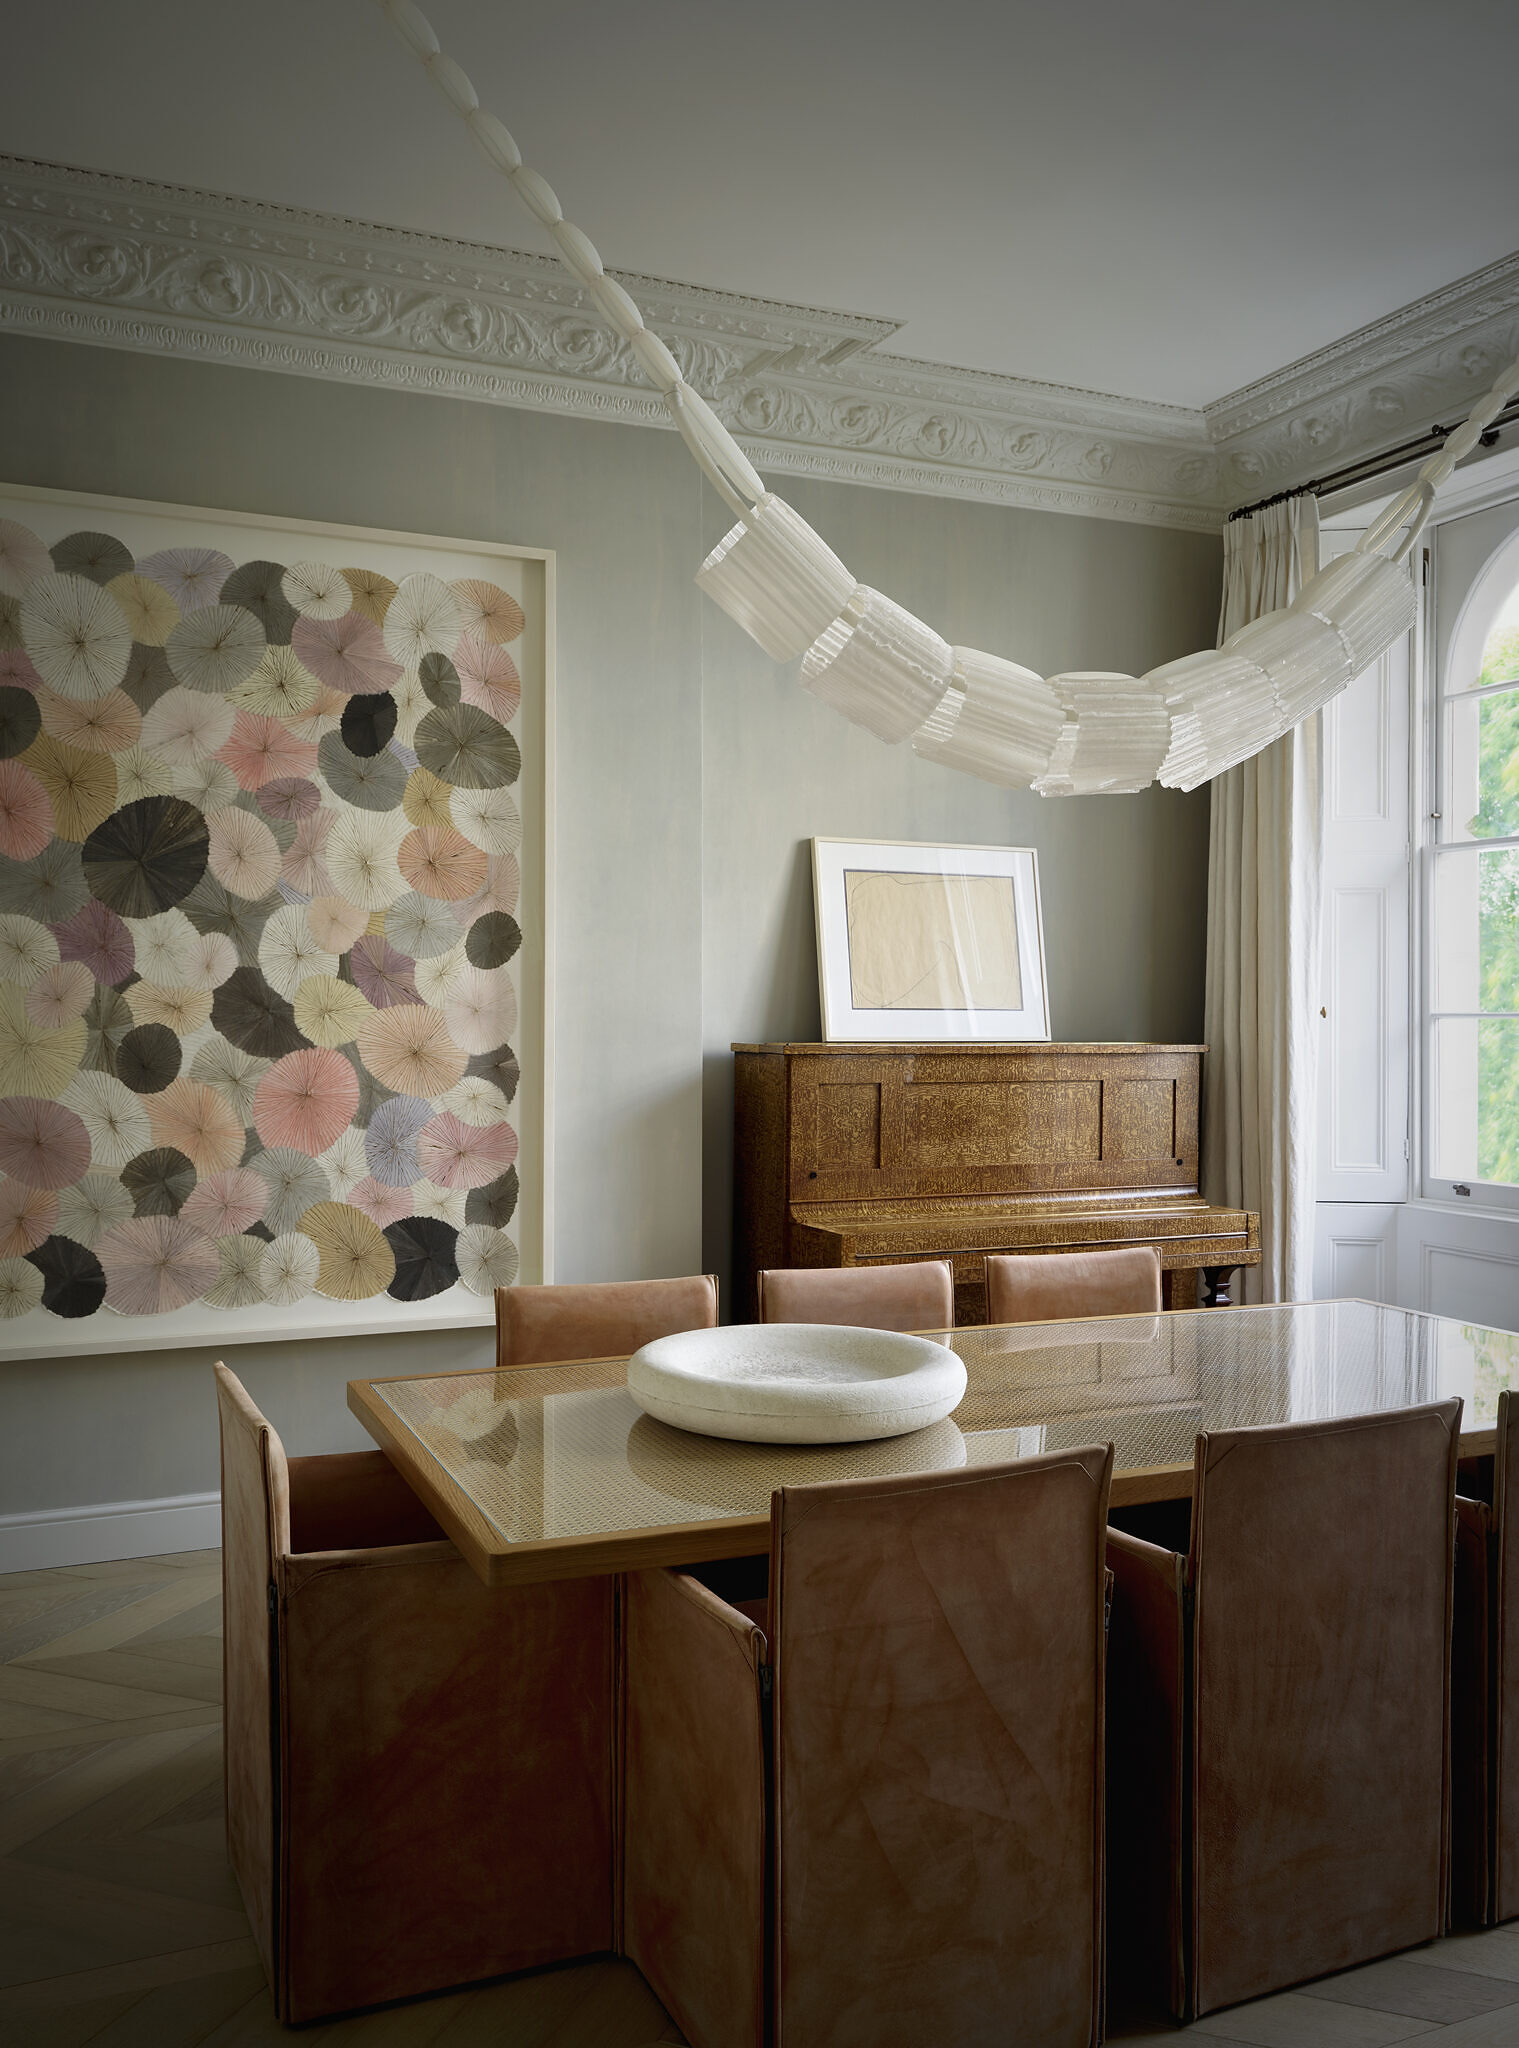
796	1383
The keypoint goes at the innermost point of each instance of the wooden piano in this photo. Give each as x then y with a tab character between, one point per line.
858	1155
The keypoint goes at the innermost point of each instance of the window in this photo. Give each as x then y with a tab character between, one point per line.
1472	950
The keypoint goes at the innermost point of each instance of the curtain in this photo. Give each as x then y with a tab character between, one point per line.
1264	891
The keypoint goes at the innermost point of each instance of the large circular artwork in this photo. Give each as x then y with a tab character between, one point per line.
258	920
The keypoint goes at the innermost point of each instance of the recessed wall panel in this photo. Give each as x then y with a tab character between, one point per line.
1358	1015
1358	766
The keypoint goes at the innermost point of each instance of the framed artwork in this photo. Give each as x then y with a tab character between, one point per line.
928	942
274	963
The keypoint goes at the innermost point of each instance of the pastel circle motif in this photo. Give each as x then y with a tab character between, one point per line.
257	882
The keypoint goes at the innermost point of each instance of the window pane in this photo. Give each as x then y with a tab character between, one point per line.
1500	653
1482	767
1475	1120
1476	930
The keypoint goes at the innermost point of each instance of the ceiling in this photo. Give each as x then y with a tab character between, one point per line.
1164	199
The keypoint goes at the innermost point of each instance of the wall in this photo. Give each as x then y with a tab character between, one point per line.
1123	880
691	773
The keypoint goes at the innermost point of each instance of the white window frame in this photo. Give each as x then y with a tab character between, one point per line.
1492	485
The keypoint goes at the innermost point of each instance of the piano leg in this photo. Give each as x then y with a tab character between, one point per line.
1216	1282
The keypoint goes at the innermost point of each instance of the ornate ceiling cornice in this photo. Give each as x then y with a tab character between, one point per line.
124	264
1423	365
121	263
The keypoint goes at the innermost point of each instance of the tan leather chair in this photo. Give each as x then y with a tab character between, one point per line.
1278	1713
919	1295
607	1319
418	1770
1049	1287
925	1682
1485	1682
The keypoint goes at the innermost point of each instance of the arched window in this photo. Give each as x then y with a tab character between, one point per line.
1473	934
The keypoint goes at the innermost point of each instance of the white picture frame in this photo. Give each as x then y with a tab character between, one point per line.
927	942
529	573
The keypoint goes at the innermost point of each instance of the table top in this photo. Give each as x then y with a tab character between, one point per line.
554	1471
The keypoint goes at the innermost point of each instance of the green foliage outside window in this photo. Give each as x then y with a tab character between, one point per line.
1498	908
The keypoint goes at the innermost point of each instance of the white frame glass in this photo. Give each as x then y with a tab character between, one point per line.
1463	645
148	523
844	1021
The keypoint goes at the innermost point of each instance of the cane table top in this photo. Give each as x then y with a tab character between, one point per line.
554	1472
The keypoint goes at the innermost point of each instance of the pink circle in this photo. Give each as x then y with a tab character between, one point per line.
306	1100
454	1154
41	1142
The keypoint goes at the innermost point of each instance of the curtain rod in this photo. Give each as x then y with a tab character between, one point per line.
1378	465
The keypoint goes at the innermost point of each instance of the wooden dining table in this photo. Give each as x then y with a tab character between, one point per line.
554	1472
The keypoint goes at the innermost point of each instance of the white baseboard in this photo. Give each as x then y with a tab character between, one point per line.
107	1530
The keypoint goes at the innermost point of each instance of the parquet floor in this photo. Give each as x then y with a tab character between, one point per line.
120	1925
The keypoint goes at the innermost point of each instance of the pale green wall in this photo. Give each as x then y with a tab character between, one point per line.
691	772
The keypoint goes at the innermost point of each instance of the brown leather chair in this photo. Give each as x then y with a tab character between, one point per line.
919	1295
607	1319
1485	1682
1049	1287
1278	1713
925	1682
418	1770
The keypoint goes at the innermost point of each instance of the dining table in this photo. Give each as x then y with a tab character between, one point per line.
554	1471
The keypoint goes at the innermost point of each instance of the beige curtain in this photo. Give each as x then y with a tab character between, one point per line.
1264	858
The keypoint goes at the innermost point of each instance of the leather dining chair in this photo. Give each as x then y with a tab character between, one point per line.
1485	1681
418	1769
922	1688
1279	1713
1048	1287
917	1295
603	1319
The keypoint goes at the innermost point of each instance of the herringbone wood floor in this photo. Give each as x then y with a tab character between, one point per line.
120	1924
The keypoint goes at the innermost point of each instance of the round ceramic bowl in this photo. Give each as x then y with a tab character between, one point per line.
796	1383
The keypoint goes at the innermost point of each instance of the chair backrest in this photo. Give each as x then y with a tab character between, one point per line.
919	1295
1048	1287
1321	1575
255	1532
610	1319
938	1671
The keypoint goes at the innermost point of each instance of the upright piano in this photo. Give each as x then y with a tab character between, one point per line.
861	1155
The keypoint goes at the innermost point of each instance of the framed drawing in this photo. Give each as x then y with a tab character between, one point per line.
274	962
929	942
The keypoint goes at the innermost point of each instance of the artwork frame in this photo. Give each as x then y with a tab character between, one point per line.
526	574
959	924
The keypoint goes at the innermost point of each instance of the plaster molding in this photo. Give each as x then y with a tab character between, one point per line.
119	262
1426	364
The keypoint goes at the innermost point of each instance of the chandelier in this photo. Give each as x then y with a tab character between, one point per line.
1075	734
